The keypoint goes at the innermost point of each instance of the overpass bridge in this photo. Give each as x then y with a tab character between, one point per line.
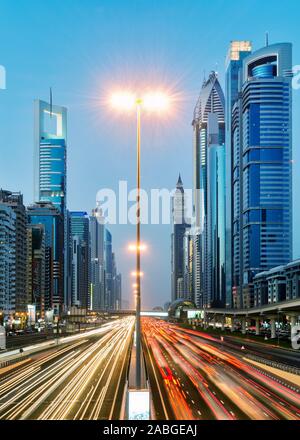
271	312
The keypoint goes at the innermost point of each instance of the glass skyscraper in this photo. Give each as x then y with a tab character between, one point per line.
261	136
50	154
52	220
210	108
238	50
97	229
79	227
177	242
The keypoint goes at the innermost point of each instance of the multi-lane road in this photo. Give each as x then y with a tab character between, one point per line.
197	376
83	378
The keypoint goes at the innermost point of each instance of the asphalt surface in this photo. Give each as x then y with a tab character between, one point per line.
195	375
80	379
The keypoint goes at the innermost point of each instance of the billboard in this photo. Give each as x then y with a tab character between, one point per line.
138	405
31	314
2	338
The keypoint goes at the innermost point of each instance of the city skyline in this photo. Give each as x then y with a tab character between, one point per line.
82	96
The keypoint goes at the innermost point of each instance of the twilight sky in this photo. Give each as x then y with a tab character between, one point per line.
87	49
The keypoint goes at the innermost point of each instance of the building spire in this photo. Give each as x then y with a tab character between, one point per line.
179	182
267	39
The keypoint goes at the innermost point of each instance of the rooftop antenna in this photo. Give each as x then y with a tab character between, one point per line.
267	39
51	102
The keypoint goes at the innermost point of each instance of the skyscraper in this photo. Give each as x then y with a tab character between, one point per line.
50	138
177	241
50	168
238	50
108	267
51	218
36	265
7	259
79	221
97	230
210	106
261	135
15	202
215	259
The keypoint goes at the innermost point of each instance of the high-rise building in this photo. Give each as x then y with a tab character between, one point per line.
177	241
261	136
15	202
238	50
36	265
210	106
7	260
188	281
215	259
118	291
50	169
108	270
51	218
79	221
50	137
97	282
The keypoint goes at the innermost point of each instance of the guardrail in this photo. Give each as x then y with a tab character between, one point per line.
279	365
13	361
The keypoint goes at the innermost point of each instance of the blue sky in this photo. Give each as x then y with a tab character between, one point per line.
84	49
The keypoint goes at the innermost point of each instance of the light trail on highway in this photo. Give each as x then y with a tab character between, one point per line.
200	378
77	380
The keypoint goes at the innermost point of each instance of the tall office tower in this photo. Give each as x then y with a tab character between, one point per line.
262	168
50	167
97	230
15	201
7	260
50	138
177	241
46	214
36	265
118	291
238	50
79	221
108	269
197	269
211	101
215	260
67	261
188	284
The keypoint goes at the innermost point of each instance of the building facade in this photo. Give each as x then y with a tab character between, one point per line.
7	260
79	227
238	50
177	241
97	282
15	202
52	220
261	135
281	283
209	138
36	266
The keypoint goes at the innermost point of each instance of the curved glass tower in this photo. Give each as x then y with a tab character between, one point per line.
209	135
262	169
50	154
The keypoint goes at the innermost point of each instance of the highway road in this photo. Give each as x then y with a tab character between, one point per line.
194	375
82	378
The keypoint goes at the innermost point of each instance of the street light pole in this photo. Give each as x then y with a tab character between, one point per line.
138	251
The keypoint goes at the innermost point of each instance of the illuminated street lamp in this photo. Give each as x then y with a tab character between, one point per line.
156	101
